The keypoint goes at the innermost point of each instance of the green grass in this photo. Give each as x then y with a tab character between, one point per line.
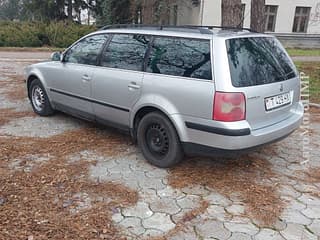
303	52
31	49
312	69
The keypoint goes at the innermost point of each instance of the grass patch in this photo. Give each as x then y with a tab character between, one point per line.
312	69
31	49
303	52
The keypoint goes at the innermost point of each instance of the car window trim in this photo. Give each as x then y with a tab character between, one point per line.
104	47
147	54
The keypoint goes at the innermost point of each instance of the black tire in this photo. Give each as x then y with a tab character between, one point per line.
159	141
39	99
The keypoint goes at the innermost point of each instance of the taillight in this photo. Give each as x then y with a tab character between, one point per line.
229	107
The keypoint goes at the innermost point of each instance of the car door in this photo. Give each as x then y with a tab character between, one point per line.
116	86
70	87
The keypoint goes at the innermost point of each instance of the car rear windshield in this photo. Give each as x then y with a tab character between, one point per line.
257	61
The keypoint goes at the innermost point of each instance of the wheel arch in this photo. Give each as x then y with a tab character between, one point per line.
37	75
30	79
144	110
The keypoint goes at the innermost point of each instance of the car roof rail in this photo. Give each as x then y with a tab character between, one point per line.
211	27
202	29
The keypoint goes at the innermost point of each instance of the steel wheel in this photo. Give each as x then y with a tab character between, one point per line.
157	140
38	98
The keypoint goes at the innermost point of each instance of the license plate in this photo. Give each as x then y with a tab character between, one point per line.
278	101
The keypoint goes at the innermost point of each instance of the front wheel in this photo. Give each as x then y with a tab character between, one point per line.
159	141
39	99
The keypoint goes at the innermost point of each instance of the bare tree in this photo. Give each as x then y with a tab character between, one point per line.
231	13
70	10
258	15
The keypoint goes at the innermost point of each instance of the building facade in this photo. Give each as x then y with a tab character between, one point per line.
282	16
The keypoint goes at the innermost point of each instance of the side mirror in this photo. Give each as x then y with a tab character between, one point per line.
56	56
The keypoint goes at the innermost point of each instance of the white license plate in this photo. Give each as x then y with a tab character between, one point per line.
278	101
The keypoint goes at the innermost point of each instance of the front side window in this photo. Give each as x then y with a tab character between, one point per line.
301	19
86	51
270	17
126	51
180	57
257	61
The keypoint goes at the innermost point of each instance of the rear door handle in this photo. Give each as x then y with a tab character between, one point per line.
133	86
86	78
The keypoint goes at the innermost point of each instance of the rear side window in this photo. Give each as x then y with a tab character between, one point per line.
125	52
180	57
258	61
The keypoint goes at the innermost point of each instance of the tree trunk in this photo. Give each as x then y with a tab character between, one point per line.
258	15
231	13
89	15
70	9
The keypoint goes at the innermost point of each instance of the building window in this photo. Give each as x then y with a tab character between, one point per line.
270	16
243	10
301	19
174	15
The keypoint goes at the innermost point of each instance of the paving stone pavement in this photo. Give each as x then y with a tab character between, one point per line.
161	208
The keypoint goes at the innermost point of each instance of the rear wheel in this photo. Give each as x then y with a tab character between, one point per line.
159	141
39	99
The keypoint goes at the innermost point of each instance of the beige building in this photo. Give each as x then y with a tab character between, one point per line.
282	16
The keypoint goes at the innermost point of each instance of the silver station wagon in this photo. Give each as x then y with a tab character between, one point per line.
176	90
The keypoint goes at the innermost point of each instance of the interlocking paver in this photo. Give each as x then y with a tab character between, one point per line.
297	232
247	228
165	205
187	234
268	234
213	229
141	210
161	207
309	200
287	190
312	211
315	227
235	209
294	216
170	192
159	221
133	225
189	201
217	212
240	236
218	199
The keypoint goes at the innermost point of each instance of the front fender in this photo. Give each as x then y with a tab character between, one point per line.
32	73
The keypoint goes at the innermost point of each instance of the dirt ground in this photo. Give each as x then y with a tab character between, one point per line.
64	178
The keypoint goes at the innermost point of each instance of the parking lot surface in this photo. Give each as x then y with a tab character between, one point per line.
63	177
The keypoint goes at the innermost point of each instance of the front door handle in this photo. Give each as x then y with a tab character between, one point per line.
86	78
133	86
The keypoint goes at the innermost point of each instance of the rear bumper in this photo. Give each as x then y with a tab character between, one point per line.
238	136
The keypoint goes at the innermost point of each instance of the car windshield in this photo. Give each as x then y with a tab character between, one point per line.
258	60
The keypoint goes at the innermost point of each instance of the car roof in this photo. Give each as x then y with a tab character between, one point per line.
199	32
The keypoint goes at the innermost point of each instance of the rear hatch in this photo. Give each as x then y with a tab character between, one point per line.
263	71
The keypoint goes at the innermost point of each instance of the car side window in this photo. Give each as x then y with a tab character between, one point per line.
181	57
126	51
86	51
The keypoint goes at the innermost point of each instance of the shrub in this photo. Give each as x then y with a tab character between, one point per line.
38	34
